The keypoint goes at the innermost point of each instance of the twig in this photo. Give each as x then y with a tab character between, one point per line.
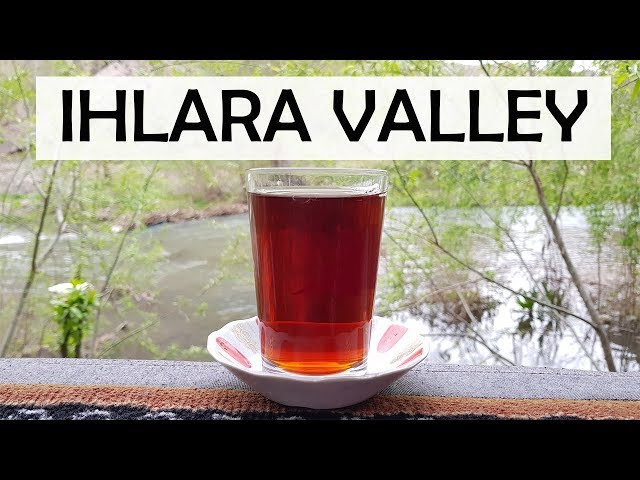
502	65
436	291
575	276
583	347
31	174
138	330
34	266
503	229
10	182
520	163
501	285
42	333
472	317
625	84
478	272
479	337
62	223
17	221
27	110
116	259
486	72
415	202
561	194
439	291
599	261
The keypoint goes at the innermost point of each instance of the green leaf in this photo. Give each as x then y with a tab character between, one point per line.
525	328
636	90
621	77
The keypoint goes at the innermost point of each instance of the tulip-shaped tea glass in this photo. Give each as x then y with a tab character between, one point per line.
315	236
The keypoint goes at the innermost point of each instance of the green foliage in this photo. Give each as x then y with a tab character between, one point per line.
394	68
14	89
234	264
73	305
464	199
535	318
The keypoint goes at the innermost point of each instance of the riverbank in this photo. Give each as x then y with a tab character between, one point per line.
184	214
176	215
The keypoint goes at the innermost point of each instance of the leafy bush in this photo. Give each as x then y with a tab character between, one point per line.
73	304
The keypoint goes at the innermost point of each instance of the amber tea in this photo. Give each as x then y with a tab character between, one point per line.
315	252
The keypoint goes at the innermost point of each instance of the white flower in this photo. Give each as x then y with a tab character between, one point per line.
64	288
61	288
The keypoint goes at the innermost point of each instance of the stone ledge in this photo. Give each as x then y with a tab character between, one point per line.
426	379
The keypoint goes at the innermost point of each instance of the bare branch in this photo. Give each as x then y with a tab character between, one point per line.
502	285
520	163
561	194
583	346
17	221
10	183
35	180
34	266
414	201
575	276
486	72
62	224
477	337
454	257
25	103
503	229
116	258
503	65
138	330
625	84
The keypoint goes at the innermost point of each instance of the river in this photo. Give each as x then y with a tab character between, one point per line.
192	258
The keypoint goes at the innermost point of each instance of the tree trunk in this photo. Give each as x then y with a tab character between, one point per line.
64	346
577	280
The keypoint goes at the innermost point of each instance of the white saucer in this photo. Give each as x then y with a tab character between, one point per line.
394	350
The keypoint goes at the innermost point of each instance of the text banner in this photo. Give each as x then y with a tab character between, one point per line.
319	118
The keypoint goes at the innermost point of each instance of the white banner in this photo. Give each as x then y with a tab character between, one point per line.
319	118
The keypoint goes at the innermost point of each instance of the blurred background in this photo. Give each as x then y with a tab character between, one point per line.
532	264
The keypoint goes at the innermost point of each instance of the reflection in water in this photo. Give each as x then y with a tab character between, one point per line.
205	281
494	326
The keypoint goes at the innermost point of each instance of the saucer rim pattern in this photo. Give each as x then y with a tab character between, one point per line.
216	352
